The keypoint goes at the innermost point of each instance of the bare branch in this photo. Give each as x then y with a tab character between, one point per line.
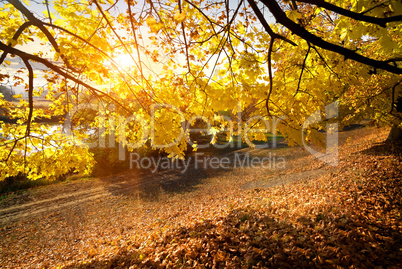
303	67
185	39
48	10
130	14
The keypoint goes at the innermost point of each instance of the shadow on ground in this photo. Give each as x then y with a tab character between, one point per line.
150	186
249	239
385	148
359	229
151	182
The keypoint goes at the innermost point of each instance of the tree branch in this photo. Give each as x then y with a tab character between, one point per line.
55	68
281	17
384	4
393	96
353	15
271	44
266	26
48	10
303	67
130	14
127	51
30	94
17	34
34	21
185	39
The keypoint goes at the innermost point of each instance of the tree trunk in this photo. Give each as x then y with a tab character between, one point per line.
395	134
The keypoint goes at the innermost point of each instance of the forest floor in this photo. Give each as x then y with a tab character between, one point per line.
297	213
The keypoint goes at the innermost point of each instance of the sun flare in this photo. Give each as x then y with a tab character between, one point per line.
124	60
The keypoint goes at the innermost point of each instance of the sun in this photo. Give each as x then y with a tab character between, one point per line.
124	60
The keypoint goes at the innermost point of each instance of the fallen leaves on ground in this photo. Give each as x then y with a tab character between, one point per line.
349	218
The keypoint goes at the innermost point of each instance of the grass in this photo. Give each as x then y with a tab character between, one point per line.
18	185
236	144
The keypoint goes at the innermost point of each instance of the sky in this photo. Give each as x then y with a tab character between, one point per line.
39	8
32	47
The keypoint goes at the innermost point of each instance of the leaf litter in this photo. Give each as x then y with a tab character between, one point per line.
345	218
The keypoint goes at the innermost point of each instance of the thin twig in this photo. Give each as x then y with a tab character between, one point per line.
303	67
271	44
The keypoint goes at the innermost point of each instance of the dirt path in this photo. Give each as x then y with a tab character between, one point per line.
64	196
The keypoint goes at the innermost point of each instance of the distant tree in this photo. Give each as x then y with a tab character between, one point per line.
7	92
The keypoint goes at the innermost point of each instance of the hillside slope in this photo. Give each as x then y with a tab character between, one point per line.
305	215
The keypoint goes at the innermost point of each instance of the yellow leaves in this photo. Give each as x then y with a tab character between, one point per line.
318	10
388	44
47	154
179	17
241	29
153	24
46	14
294	15
121	18
2	101
326	77
343	33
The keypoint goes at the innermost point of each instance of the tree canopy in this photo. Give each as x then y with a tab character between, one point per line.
152	68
